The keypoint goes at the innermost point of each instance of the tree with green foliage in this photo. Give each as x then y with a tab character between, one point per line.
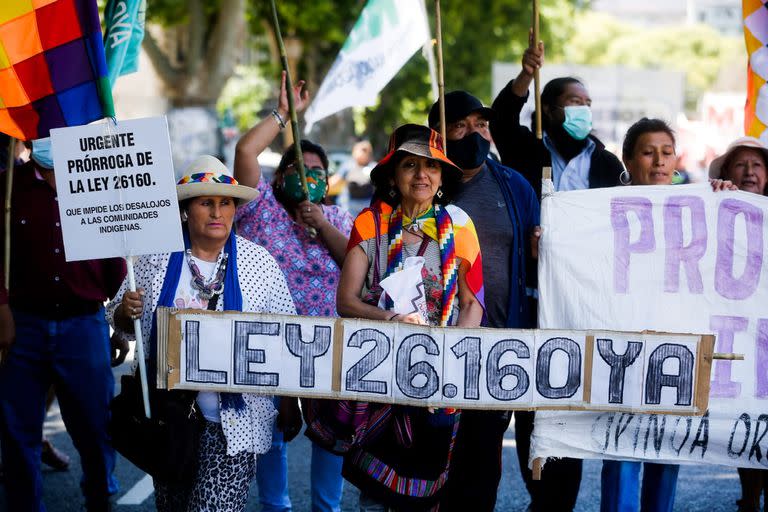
474	36
698	50
207	42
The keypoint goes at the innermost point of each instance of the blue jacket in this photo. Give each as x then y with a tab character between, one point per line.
523	209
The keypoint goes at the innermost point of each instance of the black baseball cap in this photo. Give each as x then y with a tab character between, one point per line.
458	105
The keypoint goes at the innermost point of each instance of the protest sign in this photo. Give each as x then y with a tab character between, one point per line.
402	363
680	259
116	190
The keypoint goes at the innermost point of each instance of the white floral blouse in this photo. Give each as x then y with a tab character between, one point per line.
264	290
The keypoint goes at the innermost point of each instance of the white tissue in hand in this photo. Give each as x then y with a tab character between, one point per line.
406	288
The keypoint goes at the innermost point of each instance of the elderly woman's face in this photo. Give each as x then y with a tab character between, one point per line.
418	178
653	160
210	218
747	170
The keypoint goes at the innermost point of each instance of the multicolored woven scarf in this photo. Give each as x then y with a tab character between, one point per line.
449	263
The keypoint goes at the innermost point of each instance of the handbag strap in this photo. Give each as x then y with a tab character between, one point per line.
377	249
423	246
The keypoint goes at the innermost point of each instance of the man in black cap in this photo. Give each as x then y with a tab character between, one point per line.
504	208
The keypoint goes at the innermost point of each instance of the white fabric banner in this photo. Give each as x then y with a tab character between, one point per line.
677	259
383	39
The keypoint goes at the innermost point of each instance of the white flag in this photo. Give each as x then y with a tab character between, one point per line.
385	36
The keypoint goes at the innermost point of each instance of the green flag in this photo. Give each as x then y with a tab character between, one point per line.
122	40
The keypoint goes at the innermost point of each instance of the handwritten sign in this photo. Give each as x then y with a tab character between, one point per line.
429	366
116	189
678	259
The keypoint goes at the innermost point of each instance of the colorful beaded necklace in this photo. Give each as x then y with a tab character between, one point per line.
206	290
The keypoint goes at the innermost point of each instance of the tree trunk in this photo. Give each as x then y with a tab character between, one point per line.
195	61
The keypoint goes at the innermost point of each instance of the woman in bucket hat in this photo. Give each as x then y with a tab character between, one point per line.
401	456
222	271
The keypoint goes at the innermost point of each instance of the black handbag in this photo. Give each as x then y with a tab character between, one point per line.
166	446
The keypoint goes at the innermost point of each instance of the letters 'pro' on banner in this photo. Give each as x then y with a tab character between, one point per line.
678	259
116	190
430	366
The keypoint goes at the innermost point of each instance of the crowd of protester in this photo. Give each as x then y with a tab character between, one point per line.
258	246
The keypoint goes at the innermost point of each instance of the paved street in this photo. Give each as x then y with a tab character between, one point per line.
711	488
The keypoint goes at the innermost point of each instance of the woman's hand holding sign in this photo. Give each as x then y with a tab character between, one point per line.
130	309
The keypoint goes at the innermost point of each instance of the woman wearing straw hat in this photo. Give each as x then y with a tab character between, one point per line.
745	163
279	220
222	271
403	461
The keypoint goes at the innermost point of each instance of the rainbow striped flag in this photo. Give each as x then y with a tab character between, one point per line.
755	14
53	72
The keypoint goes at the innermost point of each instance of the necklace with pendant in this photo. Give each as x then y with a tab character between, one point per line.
207	289
415	224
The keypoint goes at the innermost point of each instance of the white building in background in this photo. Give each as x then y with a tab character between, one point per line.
723	15
645	12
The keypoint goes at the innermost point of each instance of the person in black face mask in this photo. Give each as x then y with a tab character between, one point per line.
505	211
577	158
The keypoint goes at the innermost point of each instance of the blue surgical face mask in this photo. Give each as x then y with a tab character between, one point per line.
578	121
41	152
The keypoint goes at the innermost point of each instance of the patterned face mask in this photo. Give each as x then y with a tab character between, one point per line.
316	184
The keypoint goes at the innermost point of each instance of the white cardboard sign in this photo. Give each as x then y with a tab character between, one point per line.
116	189
677	259
428	366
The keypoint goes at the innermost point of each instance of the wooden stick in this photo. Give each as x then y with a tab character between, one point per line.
8	194
536	75
292	109
538	465
440	79
727	356
291	106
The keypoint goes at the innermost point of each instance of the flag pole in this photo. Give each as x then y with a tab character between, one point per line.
537	464
546	172
8	194
440	79
292	109
536	74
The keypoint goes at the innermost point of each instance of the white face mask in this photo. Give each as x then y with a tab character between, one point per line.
42	153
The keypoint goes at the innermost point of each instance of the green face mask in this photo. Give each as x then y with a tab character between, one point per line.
315	183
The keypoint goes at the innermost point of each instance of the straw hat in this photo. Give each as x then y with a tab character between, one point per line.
716	167
207	176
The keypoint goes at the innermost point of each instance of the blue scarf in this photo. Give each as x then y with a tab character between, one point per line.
233	301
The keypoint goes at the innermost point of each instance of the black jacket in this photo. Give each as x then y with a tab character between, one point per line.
522	151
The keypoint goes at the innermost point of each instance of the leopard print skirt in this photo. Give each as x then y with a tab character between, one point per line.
222	481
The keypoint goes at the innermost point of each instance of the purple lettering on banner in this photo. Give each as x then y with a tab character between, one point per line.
686	255
728	286
724	327
622	247
761	359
